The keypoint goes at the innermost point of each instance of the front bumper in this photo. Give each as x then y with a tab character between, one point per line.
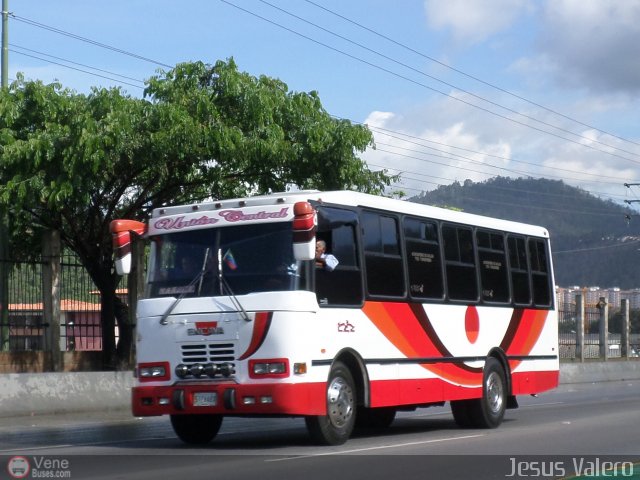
230	399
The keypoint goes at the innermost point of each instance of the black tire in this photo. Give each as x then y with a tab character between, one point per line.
375	417
336	426
461	410
488	411
196	429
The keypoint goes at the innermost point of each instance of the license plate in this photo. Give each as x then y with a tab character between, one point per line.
205	399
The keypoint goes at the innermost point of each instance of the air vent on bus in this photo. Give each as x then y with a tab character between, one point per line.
208	352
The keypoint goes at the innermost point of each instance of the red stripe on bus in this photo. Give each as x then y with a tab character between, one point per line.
261	324
407	326
400	324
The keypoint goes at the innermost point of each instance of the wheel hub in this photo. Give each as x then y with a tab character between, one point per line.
340	402
495	395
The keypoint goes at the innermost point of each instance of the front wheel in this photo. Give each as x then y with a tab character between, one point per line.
336	426
196	429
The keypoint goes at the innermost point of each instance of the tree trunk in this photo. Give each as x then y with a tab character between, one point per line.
107	319
125	330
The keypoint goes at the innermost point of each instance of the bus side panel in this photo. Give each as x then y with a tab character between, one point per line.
387	393
523	383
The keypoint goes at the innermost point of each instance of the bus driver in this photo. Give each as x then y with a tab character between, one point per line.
323	259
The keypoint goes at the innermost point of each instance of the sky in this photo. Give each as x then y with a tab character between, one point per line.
452	89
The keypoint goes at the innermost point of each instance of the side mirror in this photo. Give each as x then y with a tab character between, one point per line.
304	231
121	236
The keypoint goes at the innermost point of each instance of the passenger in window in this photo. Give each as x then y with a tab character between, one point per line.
323	259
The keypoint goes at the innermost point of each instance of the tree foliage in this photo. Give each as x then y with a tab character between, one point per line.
73	162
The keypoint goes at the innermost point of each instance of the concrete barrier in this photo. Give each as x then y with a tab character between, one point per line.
47	393
590	372
23	394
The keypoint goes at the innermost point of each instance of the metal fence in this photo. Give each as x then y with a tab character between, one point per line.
24	327
582	335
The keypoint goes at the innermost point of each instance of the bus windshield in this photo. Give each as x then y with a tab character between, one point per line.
251	258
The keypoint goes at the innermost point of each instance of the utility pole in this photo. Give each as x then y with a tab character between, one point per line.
628	216
4	217
5	43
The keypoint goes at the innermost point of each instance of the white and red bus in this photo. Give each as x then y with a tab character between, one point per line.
425	306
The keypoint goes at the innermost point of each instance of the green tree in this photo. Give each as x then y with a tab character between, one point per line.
73	162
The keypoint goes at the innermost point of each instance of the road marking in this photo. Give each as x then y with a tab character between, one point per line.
92	444
368	449
28	449
542	404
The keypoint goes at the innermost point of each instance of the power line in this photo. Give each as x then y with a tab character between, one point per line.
467	92
130	78
468	160
76	63
472	77
530	206
453	97
87	40
539	194
460	159
138	56
93	42
76	69
384	131
617	245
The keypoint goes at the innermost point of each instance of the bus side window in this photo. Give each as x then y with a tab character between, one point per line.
519	270
462	283
424	264
539	273
493	266
383	262
342	286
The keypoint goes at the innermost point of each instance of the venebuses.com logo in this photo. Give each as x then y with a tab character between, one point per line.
18	467
38	467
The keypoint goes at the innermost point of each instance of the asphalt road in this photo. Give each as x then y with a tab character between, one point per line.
577	427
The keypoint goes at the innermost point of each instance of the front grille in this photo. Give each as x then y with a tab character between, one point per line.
208	353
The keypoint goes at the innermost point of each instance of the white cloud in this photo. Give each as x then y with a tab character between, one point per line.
592	44
475	21
421	145
430	147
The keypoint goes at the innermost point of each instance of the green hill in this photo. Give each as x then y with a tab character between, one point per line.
593	243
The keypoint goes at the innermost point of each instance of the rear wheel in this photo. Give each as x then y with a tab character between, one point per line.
336	426
488	411
196	429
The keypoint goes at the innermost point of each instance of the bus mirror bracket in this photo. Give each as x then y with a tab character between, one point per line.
305	223
121	231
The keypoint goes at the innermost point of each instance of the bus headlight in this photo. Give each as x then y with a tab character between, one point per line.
148	372
269	368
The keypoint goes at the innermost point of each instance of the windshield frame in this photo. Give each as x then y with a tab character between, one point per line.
248	258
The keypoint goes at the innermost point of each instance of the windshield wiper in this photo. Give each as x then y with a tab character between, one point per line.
225	285
225	289
164	320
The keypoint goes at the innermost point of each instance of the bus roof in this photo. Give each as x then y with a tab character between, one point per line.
357	199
